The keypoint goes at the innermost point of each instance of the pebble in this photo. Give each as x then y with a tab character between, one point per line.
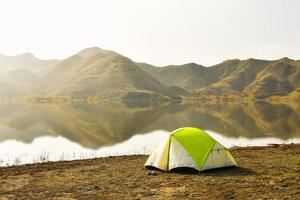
194	195
284	185
152	173
11	196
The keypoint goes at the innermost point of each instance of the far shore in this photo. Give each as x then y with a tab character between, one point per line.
269	172
210	99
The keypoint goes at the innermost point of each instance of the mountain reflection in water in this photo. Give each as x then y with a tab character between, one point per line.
103	124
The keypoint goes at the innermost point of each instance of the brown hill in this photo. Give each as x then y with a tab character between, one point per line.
19	75
107	74
278	78
240	73
190	76
257	78
19	82
25	61
13	88
97	72
23	76
252	77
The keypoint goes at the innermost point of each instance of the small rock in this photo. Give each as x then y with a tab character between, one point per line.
274	145
284	185
193	195
152	173
11	196
148	193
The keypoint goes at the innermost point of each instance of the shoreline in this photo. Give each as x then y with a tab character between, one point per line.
112	156
197	99
262	172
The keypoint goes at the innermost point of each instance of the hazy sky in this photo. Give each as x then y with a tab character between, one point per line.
159	32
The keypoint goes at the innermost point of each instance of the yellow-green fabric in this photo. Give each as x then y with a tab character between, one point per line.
196	142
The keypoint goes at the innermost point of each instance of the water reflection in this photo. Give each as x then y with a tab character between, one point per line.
96	125
13	152
106	123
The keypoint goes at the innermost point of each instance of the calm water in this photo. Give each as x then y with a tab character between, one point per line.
37	133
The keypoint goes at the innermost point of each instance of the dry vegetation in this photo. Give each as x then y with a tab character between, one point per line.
263	173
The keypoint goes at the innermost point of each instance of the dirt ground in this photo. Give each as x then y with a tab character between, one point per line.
271	172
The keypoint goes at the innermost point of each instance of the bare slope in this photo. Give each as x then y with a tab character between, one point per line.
252	77
279	78
25	61
107	74
97	72
19	75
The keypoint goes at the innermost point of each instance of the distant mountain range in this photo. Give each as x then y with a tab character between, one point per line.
109	75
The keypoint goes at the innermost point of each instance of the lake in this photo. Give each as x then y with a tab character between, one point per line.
49	132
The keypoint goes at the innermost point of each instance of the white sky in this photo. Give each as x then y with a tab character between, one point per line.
159	32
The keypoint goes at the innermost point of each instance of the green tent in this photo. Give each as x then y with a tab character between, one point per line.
190	147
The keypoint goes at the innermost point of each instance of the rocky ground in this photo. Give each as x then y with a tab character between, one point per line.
271	172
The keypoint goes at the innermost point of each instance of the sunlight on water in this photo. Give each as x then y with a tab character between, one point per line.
244	142
49	132
13	152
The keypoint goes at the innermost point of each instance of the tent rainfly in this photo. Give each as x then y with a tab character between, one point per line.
190	147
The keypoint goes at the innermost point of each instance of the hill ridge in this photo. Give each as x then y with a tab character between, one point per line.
97	72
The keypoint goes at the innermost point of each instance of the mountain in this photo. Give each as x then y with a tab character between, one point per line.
18	82
25	61
295	95
19	75
251	77
13	88
23	76
109	75
239	74
278	78
190	76
97	72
